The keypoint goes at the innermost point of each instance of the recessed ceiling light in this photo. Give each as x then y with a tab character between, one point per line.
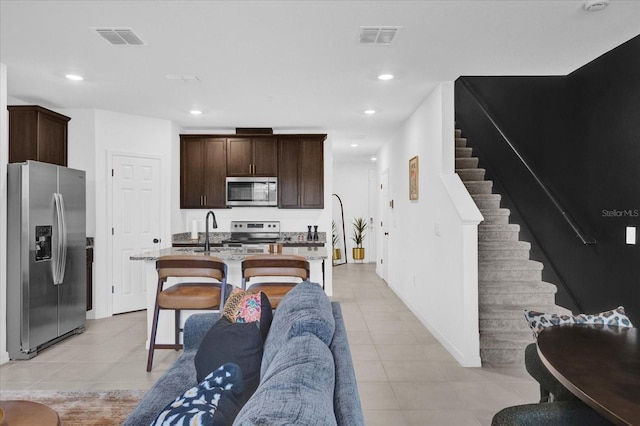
74	77
354	145
374	159
369	111
385	77
195	112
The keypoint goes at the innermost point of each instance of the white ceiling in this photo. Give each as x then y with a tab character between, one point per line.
291	65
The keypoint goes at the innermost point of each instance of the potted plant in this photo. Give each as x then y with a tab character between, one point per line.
359	226
334	241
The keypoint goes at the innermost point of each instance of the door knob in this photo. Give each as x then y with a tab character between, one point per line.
156	240
386	233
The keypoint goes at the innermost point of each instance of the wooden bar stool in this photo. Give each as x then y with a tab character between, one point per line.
187	295
274	265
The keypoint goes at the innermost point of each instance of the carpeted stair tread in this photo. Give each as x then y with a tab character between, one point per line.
522	287
517	310
504	246
471	174
466	163
511	265
479	186
458	133
463	152
484	201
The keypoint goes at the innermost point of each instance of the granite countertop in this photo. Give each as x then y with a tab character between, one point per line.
233	253
184	238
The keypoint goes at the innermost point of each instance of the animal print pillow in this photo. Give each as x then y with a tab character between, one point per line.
613	317
212	402
538	321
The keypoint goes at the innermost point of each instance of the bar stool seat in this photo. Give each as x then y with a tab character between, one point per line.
189	296
186	295
274	265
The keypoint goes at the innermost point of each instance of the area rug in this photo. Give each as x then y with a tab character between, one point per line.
83	408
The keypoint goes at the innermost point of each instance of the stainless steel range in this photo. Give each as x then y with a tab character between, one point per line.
242	233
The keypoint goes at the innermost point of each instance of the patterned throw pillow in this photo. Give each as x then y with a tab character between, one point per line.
538	321
245	307
212	402
613	317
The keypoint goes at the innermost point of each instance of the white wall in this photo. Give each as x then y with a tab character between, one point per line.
117	133
355	184
81	153
433	240
4	158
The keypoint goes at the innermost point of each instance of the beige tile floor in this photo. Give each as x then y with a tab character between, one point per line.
405	377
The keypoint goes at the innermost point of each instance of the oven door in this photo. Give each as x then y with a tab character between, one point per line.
251	192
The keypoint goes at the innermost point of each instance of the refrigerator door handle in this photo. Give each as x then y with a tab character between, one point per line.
55	250
63	242
60	249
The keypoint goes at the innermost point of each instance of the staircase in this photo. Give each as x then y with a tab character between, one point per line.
508	281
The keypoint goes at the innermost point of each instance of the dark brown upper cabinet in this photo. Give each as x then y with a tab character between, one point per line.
301	172
252	156
36	133
202	172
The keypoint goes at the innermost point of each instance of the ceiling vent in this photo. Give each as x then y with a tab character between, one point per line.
120	36
378	35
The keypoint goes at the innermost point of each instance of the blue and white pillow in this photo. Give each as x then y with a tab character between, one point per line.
214	401
538	321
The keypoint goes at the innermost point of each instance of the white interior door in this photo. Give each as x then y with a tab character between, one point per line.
136	226
384	223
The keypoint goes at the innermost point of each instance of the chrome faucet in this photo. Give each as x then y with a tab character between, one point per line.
207	245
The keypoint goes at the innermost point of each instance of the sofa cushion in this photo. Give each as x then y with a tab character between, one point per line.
297	388
240	343
304	309
246	306
214	401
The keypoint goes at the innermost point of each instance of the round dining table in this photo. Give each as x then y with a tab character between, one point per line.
599	364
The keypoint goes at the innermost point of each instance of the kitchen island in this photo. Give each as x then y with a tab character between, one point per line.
233	257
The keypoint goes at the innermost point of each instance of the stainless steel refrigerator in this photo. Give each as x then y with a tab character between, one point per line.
46	256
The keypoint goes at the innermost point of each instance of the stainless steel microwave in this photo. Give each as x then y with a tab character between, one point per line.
252	191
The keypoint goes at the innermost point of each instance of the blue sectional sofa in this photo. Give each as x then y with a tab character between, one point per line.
306	376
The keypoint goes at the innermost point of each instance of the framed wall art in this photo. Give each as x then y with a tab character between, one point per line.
413	178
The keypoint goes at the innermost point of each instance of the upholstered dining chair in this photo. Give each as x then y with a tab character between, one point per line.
201	294
561	413
271	266
550	388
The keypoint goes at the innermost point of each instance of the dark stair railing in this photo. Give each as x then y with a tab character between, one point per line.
585	239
